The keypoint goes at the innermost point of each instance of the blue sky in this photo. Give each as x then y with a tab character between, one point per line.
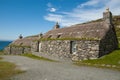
30	17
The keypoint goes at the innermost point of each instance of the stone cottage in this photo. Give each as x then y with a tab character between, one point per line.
78	42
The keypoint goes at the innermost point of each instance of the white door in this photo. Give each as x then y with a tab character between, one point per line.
39	47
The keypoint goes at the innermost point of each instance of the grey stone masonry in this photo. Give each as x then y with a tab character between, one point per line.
109	42
57	48
34	46
63	48
87	50
16	50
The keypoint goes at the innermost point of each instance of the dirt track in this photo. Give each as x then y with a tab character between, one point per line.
44	70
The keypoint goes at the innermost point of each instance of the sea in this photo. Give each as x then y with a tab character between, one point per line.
3	44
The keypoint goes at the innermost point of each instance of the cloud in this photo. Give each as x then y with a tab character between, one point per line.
89	3
54	17
51	8
87	11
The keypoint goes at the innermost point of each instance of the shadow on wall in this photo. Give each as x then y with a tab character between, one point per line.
109	43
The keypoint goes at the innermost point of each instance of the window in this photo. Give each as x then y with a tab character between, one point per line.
50	36
58	36
21	44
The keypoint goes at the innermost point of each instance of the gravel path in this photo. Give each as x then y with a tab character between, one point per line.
44	70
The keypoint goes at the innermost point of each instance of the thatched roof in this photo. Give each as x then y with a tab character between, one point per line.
24	41
93	30
90	30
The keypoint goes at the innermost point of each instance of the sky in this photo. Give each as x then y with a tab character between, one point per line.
31	17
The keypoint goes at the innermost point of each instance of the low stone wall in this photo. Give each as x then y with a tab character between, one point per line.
7	50
16	50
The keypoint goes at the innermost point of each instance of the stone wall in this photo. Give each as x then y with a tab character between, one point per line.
35	46
108	43
62	48
16	50
7	50
86	50
58	48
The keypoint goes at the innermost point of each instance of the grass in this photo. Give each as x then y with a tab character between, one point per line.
37	57
67	38
1	52
111	60
117	31
0	58
8	70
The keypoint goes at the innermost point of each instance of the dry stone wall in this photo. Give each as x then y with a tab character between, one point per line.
17	50
86	50
108	43
62	48
59	48
35	46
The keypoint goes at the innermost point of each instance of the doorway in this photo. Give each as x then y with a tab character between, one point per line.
73	47
40	47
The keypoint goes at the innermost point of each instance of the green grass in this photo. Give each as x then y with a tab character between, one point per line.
0	58
67	38
37	57
112	59
1	52
117	31
8	70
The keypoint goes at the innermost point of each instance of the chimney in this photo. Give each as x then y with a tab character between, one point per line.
57	26
40	35
20	37
107	16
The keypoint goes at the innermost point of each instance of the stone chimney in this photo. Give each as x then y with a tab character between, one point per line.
57	26
107	16
20	37
40	35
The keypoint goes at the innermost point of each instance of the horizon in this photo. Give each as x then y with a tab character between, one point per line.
28	17
7	40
